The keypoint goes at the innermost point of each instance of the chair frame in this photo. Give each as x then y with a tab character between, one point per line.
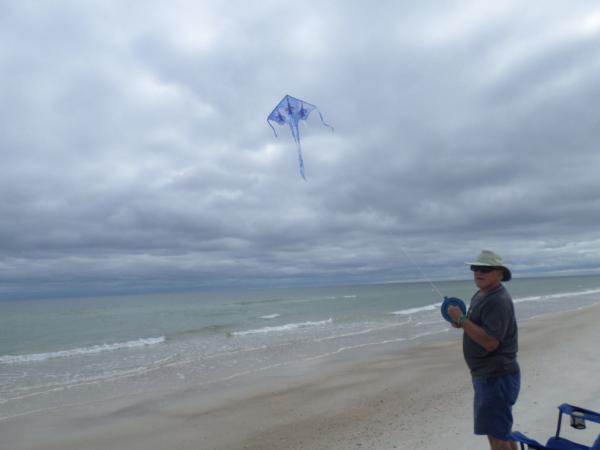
556	442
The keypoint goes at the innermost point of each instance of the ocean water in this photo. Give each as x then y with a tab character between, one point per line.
56	353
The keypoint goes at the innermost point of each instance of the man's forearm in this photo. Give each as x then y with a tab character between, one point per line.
478	334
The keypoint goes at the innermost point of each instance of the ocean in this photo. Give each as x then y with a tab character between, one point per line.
57	353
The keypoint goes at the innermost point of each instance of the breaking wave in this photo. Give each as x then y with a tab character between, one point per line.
281	328
38	357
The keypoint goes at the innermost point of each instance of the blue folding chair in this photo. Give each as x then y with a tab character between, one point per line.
578	418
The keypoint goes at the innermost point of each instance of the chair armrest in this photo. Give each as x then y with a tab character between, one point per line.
587	413
531	443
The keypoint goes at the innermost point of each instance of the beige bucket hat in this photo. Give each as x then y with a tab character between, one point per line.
491	259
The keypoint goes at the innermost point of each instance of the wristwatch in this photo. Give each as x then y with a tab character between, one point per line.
461	319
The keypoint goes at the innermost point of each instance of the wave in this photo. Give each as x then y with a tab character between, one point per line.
535	298
405	312
538	298
38	357
287	327
270	316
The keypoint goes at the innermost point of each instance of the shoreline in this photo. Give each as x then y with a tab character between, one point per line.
418	397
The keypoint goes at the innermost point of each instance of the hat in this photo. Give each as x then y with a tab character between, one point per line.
489	258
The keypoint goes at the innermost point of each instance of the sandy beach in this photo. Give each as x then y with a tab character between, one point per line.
417	398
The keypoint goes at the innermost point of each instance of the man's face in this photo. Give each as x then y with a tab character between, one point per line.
486	281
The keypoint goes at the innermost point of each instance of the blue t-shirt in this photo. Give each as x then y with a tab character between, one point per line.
495	313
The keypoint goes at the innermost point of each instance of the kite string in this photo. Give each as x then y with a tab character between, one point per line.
422	272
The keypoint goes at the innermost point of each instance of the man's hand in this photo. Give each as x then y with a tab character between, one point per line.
455	312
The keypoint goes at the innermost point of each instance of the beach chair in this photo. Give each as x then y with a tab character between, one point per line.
578	417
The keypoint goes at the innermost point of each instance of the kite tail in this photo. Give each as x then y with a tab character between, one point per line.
323	120
275	132
296	135
301	162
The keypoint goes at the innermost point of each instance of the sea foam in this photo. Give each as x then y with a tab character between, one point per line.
538	298
270	316
287	327
37	357
405	312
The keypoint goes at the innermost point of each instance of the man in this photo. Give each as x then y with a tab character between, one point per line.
490	350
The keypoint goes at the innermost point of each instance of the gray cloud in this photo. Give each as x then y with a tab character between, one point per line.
136	154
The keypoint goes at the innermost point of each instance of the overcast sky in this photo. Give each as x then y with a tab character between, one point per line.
136	153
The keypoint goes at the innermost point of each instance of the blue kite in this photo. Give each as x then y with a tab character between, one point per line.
291	110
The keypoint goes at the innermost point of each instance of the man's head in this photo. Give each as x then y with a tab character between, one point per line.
489	270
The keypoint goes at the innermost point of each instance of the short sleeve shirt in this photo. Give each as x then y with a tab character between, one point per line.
495	313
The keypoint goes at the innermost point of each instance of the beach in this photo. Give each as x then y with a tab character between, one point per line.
417	397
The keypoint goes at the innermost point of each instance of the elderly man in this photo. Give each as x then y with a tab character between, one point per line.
490	349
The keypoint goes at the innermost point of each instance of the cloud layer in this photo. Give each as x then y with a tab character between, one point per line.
136	155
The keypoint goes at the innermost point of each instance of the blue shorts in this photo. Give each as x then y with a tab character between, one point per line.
494	398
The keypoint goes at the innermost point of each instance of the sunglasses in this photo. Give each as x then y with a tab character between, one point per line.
483	269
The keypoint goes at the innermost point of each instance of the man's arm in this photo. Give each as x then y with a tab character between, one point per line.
475	332
478	334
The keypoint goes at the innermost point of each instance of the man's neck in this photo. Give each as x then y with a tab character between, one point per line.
487	291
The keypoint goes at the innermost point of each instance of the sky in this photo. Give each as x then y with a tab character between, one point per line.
136	156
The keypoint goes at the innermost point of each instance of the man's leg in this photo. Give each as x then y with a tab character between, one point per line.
497	444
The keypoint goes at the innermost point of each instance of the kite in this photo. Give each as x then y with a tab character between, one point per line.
291	110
